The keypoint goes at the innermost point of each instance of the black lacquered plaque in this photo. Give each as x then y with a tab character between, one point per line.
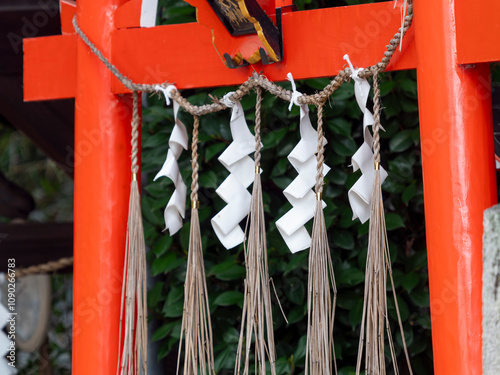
231	16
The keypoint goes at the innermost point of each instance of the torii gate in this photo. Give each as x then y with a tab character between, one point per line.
450	45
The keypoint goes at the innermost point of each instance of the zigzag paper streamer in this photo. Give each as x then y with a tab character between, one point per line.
299	193
176	206
361	192
234	188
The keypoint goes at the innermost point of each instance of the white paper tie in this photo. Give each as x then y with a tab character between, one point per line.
295	93
299	193
234	188
176	206
360	194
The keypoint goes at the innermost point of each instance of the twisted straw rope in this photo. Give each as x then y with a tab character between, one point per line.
258	80
135	134
194	162
48	267
320	154
376	121
258	120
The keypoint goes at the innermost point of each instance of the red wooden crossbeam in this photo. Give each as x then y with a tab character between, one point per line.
314	44
478	31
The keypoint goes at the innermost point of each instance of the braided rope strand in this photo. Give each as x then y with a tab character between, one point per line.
194	162
135	134
48	267
258	119
376	121
320	154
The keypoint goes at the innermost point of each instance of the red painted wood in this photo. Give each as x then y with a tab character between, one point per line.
283	3
102	185
478	31
128	15
49	67
457	150
67	12
459	183
314	44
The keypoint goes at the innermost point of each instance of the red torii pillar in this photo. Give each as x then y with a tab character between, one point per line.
457	144
102	186
459	179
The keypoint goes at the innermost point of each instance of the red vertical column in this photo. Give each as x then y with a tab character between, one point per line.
459	183
102	183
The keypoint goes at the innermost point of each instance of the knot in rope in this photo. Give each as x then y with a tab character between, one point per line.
354	72
167	91
226	99
295	94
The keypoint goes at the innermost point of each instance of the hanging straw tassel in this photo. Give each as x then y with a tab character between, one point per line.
196	326
320	353
375	316
257	319
133	301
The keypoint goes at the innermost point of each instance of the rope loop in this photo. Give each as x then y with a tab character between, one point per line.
226	99
167	92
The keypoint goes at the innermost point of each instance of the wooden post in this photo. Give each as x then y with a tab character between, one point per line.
491	291
459	183
102	184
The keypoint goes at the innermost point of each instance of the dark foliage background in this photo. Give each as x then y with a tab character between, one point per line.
348	239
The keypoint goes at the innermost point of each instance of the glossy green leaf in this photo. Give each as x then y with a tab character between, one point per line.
214	150
394	221
401	141
231	297
410	281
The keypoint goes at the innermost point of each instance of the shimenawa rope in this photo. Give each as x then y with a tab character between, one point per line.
48	267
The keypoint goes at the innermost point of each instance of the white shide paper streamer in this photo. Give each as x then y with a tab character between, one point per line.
299	193
361	193
234	188
148	13
176	206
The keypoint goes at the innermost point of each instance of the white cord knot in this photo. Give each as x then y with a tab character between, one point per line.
295	93
354	72
226	99
167	91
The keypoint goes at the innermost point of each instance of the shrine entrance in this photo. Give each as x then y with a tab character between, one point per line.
450	45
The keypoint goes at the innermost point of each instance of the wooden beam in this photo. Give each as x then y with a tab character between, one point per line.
50	67
24	19
478	31
102	192
56	118
314	44
15	202
35	243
